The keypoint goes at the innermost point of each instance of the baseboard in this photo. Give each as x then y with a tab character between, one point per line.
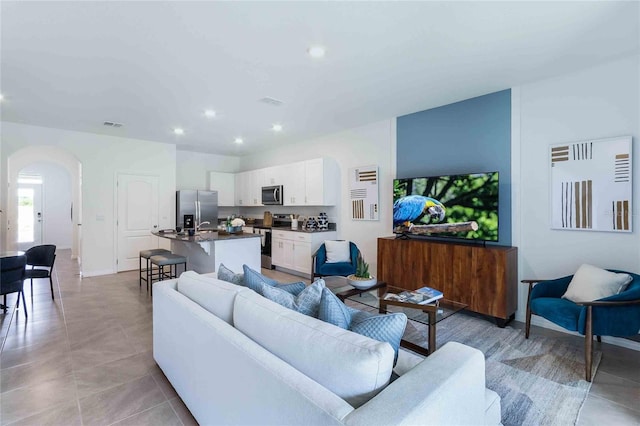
86	274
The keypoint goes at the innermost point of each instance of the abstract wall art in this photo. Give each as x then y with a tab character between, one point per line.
363	193
591	185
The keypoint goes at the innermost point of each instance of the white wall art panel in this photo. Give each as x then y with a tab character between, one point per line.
591	185
363	193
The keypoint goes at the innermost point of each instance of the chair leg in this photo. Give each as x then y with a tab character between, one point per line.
51	285
599	338
4	304
31	287
528	320
588	344
24	303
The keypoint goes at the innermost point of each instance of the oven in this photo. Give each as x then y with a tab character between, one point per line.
265	246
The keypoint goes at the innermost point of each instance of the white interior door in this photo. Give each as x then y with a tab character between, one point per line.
137	217
30	215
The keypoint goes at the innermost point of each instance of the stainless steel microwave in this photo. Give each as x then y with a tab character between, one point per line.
272	195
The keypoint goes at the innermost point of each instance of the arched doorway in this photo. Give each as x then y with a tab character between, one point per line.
21	160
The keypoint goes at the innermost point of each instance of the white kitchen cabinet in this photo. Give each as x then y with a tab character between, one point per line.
274	175
312	183
256	182
242	194
225	184
292	250
293	185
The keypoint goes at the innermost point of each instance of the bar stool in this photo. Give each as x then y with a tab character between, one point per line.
146	254
172	261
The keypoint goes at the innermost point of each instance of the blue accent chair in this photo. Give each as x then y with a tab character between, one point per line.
617	315
320	267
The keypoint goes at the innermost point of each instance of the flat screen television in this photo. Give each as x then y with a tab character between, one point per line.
454	206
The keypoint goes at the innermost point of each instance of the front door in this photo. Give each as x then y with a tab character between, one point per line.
30	215
137	217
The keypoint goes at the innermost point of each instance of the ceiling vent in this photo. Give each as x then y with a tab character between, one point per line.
271	101
112	124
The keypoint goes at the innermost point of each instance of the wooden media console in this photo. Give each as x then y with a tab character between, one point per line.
483	277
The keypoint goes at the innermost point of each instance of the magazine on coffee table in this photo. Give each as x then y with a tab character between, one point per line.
421	296
431	293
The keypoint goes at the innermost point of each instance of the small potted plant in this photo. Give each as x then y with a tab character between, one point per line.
361	280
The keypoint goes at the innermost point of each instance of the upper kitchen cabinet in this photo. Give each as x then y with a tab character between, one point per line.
274	175
225	184
249	188
312	183
243	194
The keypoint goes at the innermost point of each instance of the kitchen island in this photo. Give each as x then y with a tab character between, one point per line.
206	250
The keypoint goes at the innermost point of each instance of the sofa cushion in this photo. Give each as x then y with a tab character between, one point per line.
256	281
333	311
226	274
352	366
306	302
592	283
215	295
385	328
337	251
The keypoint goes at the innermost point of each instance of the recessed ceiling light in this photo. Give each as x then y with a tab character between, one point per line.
317	51
277	127
1	97
178	131
210	113
238	140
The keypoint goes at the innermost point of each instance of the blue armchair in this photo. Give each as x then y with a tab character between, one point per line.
617	315
320	267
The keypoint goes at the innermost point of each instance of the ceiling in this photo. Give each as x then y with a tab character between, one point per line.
154	66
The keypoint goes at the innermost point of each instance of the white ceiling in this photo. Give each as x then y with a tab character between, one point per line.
157	65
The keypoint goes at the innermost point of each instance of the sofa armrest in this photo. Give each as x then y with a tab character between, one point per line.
447	388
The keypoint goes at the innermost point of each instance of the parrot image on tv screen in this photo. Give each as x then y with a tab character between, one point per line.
412	207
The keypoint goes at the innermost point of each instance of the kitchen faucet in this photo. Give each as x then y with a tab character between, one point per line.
206	222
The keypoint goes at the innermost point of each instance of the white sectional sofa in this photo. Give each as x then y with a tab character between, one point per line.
236	358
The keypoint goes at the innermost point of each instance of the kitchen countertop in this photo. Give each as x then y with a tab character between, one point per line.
285	228
204	236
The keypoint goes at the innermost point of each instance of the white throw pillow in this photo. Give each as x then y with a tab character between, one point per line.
592	283
337	251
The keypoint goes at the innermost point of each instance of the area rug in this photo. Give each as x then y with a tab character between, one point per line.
540	380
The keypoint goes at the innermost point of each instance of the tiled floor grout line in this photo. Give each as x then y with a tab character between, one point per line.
615	402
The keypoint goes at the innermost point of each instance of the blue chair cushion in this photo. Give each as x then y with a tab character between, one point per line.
256	282
563	312
339	268
333	311
306	302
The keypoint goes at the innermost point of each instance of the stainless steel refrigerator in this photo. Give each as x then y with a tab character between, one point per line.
202	205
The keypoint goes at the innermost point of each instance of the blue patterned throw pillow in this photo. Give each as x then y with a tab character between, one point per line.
307	302
385	328
226	274
333	311
256	282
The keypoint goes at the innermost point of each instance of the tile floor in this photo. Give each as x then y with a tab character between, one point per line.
86	359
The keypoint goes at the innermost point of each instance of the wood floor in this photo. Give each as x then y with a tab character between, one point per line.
85	359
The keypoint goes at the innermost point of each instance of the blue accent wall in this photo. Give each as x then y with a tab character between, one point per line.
470	136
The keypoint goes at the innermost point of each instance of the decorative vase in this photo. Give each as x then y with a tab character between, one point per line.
323	222
312	223
361	283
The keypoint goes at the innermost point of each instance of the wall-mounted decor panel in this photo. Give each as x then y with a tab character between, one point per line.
591	185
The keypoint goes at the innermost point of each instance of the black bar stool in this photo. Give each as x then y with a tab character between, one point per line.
148	271
170	260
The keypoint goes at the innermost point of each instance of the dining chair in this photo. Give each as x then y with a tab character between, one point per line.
39	257
12	279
